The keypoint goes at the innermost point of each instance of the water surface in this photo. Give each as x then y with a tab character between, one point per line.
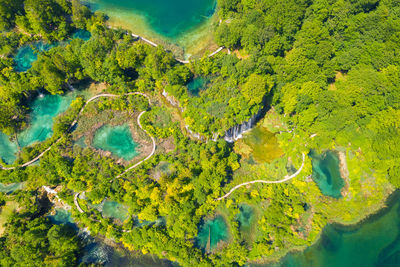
211	232
114	210
116	139
168	18
197	84
40	125
27	54
326	173
375	242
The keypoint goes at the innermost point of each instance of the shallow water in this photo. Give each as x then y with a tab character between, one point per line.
263	144
167	18
8	149
43	111
82	34
214	230
9	188
26	55
196	85
116	139
375	242
114	210
326	173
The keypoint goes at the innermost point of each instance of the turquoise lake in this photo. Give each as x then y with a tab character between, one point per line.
43	111
212	232
375	242
167	18
116	139
9	188
326	173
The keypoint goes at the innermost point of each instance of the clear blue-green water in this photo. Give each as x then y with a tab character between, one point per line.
82	34
168	18
114	210
375	242
212	231
116	139
9	188
197	84
43	111
27	54
326	173
63	216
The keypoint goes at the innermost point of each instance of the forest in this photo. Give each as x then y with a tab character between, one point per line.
325	74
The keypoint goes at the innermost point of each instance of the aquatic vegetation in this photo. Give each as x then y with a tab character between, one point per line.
260	145
116	139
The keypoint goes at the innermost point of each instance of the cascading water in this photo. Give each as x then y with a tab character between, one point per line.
237	131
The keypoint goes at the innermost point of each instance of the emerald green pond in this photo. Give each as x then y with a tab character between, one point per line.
167	18
245	217
375	242
212	231
197	84
326	173
43	111
116	139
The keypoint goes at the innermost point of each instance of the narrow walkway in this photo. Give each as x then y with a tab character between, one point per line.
149	156
155	45
77	203
287	178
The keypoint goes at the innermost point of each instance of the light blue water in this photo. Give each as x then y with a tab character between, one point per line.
326	173
26	55
212	231
43	111
168	18
116	139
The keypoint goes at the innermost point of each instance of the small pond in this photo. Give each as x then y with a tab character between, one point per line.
326	173
197	84
114	210
8	149
211	232
27	54
116	139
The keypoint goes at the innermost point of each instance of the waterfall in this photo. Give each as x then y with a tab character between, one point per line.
237	131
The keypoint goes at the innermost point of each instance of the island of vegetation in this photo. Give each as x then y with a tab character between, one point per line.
233	158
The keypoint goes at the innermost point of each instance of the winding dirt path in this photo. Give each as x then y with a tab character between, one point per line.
287	178
76	121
